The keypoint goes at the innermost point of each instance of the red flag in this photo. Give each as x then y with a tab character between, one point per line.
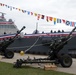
73	24
38	17
47	18
42	16
31	13
50	18
63	20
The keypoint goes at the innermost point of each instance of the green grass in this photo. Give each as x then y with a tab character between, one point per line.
7	69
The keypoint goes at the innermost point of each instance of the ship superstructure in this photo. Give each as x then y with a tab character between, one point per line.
7	27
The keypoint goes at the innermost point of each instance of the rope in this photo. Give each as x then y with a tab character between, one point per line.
32	45
28	46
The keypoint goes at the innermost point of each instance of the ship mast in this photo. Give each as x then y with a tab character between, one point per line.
37	26
2	14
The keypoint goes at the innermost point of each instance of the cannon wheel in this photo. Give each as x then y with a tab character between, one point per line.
9	54
66	61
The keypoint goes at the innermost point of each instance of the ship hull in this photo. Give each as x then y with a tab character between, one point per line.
40	45
29	45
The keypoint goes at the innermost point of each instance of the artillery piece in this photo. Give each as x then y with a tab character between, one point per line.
56	46
53	57
3	45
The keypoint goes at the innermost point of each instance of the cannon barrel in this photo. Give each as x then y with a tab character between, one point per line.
65	40
71	33
58	44
18	32
5	44
21	29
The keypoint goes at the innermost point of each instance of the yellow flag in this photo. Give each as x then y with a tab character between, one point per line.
35	14
55	19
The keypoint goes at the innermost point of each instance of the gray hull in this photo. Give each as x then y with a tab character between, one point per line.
39	45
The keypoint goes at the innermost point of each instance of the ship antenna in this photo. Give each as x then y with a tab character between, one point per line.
2	14
36	25
36	31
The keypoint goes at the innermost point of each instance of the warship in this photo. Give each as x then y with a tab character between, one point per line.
34	43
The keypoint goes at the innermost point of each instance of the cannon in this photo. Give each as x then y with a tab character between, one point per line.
3	45
53	56
56	46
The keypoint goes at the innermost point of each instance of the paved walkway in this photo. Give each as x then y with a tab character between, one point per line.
72	69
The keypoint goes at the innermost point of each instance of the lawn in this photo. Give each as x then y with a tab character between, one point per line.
7	69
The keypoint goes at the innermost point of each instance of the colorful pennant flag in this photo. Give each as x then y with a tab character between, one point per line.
63	20
28	12
31	13
67	23
23	11
35	14
13	7
48	18
38	16
42	16
58	20
72	24
54	21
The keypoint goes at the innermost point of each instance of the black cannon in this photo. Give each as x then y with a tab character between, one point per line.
3	45
53	57
56	46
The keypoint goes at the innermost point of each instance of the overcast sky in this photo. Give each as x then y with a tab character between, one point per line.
63	9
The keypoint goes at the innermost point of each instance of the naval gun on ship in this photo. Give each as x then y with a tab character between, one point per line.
53	57
3	45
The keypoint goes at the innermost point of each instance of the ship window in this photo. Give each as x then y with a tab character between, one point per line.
7	26
1	20
12	26
1	26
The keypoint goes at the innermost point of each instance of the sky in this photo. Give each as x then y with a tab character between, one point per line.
55	8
